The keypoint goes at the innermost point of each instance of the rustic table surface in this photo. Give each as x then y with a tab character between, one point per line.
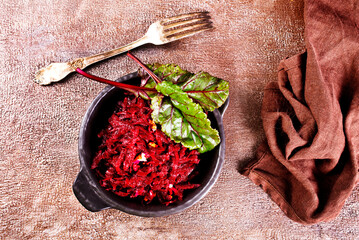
39	125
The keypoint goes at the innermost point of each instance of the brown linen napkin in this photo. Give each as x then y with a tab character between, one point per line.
309	164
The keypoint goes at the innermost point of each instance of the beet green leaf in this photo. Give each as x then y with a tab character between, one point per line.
208	91
182	119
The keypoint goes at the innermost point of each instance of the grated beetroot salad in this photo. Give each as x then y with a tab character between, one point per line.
137	160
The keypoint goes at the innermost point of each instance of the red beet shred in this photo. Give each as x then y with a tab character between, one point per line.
135	159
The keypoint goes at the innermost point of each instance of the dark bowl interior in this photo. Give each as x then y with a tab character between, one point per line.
96	119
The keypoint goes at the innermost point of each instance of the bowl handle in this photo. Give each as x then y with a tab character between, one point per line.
87	194
223	108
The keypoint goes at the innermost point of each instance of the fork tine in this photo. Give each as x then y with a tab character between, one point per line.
186	22
183	17
183	30
184	34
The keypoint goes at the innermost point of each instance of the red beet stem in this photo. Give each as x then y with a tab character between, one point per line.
144	67
113	83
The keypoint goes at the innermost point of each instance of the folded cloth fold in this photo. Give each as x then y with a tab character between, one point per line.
309	162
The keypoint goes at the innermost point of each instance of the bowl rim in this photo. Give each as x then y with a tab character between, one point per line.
111	203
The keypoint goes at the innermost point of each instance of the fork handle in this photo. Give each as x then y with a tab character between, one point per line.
57	71
86	61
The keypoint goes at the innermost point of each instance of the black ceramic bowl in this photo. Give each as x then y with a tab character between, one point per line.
95	198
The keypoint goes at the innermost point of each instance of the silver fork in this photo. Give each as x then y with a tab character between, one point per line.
160	32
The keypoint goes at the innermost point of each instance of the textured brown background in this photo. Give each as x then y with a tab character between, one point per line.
39	125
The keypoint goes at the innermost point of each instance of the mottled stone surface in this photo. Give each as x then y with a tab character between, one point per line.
39	125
